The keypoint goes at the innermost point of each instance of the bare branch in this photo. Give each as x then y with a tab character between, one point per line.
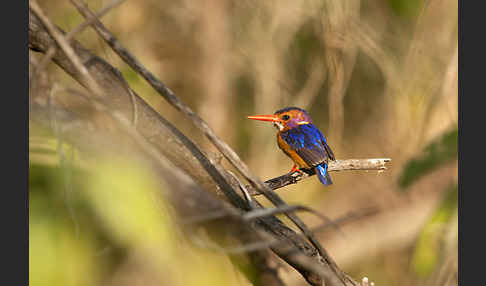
334	166
358	164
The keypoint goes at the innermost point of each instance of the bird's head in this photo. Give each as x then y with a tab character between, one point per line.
286	118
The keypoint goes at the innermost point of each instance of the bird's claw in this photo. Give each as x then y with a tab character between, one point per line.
295	169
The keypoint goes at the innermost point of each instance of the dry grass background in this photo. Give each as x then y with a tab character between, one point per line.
378	77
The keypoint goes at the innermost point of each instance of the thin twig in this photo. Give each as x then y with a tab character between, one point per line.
76	61
65	163
350	216
249	216
243	189
78	29
71	34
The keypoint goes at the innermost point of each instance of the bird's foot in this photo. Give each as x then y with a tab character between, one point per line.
295	169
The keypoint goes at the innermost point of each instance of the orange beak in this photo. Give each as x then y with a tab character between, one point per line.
270	117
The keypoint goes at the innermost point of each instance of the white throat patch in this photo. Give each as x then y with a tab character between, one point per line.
278	125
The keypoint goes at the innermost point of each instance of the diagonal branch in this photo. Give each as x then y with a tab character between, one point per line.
227	152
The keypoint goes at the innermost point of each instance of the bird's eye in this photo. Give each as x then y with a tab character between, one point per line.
285	117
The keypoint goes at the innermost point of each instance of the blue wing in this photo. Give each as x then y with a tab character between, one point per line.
309	143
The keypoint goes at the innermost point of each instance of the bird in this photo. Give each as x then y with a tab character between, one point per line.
301	140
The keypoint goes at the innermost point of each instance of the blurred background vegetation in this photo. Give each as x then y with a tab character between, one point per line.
379	78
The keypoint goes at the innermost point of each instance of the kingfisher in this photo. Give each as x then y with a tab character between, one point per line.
303	142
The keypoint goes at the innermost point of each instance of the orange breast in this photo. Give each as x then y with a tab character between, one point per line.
291	153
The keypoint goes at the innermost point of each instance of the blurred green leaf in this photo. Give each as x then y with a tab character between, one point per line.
125	197
57	255
406	8
431	239
434	155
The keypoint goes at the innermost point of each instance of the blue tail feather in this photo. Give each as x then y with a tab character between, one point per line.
323	174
